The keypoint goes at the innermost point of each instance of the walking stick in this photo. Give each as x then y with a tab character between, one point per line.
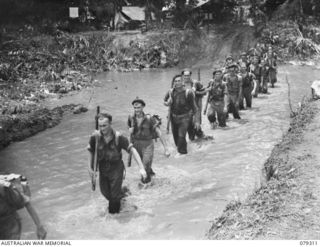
95	161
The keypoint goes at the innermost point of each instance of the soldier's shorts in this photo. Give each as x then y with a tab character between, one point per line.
258	88
273	75
246	96
179	126
234	105
216	107
145	149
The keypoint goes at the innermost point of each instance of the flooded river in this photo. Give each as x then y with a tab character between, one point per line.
187	192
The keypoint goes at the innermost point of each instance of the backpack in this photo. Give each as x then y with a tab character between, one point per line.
156	117
246	82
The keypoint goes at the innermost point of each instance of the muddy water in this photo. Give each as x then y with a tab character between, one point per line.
187	192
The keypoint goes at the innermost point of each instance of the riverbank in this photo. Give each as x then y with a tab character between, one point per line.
33	69
17	127
287	206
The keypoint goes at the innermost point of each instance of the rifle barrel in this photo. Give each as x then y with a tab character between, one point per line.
95	160
96	117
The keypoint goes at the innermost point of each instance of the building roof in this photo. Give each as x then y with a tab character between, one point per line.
134	12
201	2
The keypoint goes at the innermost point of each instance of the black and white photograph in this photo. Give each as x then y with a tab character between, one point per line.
159	120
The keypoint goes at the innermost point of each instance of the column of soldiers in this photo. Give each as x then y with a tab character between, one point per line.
231	87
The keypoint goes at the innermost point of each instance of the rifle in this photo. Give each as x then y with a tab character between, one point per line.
130	140
200	100
95	161
168	119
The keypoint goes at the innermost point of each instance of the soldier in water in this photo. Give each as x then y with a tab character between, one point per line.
199	91
217	99
14	195
109	144
143	129
249	85
234	85
183	107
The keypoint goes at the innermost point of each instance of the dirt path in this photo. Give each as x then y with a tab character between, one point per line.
288	207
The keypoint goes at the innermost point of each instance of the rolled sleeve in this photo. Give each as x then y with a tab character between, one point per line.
124	143
91	146
15	198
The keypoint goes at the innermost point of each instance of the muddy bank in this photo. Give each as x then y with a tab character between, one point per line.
17	127
286	207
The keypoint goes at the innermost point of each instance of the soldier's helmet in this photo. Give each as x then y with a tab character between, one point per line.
243	54
216	70
186	71
229	58
138	100
233	65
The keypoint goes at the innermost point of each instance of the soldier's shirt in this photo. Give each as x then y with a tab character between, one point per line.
233	84
247	80
256	70
144	130
109	153
217	91
197	87
11	201
182	103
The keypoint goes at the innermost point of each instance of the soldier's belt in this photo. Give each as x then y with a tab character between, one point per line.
181	115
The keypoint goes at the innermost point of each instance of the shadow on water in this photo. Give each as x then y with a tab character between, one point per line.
188	191
264	96
243	121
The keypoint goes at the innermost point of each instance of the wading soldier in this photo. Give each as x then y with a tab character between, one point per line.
264	76
249	85
234	85
229	61
14	196
199	91
109	145
271	63
256	69
143	129
244	60
218	100
183	107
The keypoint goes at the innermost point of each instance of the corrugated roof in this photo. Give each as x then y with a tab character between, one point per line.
134	13
201	2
